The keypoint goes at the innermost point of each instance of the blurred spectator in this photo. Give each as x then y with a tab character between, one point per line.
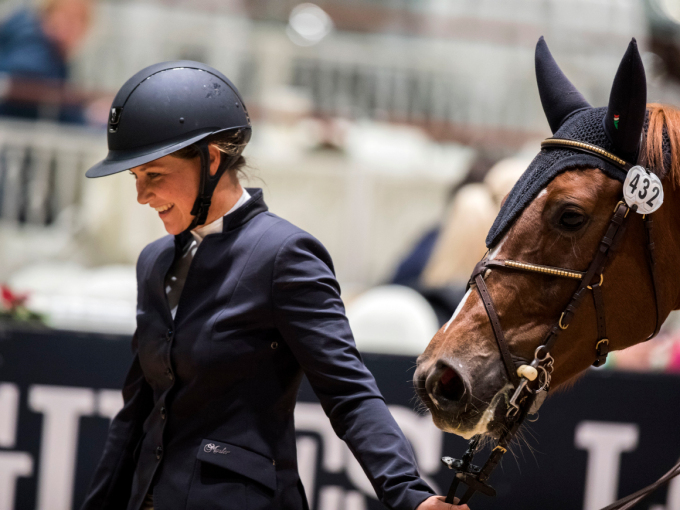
661	354
34	50
441	262
411	268
461	243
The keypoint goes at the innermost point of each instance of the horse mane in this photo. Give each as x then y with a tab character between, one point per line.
663	128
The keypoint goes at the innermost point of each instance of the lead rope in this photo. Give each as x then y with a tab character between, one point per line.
633	499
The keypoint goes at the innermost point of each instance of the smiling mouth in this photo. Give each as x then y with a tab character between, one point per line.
164	208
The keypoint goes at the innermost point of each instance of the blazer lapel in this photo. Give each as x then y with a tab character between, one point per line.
164	259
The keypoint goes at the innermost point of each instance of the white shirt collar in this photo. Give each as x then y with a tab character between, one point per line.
217	225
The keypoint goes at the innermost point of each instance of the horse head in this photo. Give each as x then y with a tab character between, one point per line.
557	215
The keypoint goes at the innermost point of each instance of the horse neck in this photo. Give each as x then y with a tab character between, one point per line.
666	237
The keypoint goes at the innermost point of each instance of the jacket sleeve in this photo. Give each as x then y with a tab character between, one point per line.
310	316
112	480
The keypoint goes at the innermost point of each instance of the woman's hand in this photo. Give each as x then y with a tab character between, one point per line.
437	503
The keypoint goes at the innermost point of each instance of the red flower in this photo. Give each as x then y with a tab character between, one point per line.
10	299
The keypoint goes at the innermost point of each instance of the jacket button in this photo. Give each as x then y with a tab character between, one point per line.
159	452
169	373
168	335
274	345
163	413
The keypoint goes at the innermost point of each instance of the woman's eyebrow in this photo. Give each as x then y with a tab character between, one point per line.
145	167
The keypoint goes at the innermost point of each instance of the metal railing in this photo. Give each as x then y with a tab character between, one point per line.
42	167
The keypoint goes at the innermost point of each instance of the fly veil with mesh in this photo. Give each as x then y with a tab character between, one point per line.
616	129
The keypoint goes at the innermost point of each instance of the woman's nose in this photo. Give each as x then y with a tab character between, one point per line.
142	192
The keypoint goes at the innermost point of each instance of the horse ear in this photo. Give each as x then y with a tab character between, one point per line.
627	105
558	96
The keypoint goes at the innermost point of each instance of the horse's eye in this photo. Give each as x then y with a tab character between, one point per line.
572	220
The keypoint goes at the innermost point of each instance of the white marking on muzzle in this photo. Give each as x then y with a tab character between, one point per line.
458	309
495	251
482	426
462	302
487	416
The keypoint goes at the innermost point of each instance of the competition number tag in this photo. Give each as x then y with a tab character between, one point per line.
643	189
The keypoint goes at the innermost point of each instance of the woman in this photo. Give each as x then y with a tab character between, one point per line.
230	311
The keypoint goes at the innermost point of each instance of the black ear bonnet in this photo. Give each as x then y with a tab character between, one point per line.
616	128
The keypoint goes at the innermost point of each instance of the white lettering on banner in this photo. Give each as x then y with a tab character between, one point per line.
354	501
605	443
426	440
307	451
673	497
311	417
356	475
334	497
9	410
109	402
331	497
12	466
62	408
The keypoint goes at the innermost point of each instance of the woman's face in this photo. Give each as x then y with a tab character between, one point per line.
170	186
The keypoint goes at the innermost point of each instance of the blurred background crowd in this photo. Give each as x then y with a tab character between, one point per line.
389	129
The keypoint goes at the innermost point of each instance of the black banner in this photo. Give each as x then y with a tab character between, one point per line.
609	435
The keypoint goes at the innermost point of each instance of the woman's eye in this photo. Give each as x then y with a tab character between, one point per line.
572	220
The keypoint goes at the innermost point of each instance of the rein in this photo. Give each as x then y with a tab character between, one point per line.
532	382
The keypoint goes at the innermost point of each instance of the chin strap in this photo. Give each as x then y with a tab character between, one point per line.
208	183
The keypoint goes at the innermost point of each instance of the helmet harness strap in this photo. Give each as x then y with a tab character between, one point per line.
208	183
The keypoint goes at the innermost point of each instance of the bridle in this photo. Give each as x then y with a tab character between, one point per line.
532	382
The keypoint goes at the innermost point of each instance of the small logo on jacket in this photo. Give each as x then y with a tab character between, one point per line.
213	448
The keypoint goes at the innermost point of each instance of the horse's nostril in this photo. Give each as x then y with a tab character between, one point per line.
451	385
444	387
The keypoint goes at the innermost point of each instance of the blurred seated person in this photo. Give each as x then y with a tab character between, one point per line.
411	267
440	264
660	354
35	46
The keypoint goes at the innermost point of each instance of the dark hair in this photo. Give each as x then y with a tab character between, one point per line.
228	142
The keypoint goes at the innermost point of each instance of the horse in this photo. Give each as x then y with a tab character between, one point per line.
552	226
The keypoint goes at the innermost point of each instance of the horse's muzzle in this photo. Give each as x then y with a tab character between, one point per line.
441	387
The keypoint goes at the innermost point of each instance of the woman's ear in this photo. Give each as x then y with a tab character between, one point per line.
215	157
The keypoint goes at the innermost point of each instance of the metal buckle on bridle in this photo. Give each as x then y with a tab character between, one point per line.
544	365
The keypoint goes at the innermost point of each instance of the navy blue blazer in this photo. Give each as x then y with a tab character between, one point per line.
209	399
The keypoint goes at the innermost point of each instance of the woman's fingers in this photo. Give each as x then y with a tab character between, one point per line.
438	503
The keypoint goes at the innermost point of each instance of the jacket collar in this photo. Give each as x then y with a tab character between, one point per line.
246	212
238	218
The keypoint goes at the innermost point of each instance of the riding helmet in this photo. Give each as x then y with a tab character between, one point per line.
166	107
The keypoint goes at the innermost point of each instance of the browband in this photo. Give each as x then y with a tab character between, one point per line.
588	148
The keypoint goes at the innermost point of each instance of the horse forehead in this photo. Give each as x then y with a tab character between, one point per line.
582	185
549	163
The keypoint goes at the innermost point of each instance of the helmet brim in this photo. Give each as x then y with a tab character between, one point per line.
120	160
